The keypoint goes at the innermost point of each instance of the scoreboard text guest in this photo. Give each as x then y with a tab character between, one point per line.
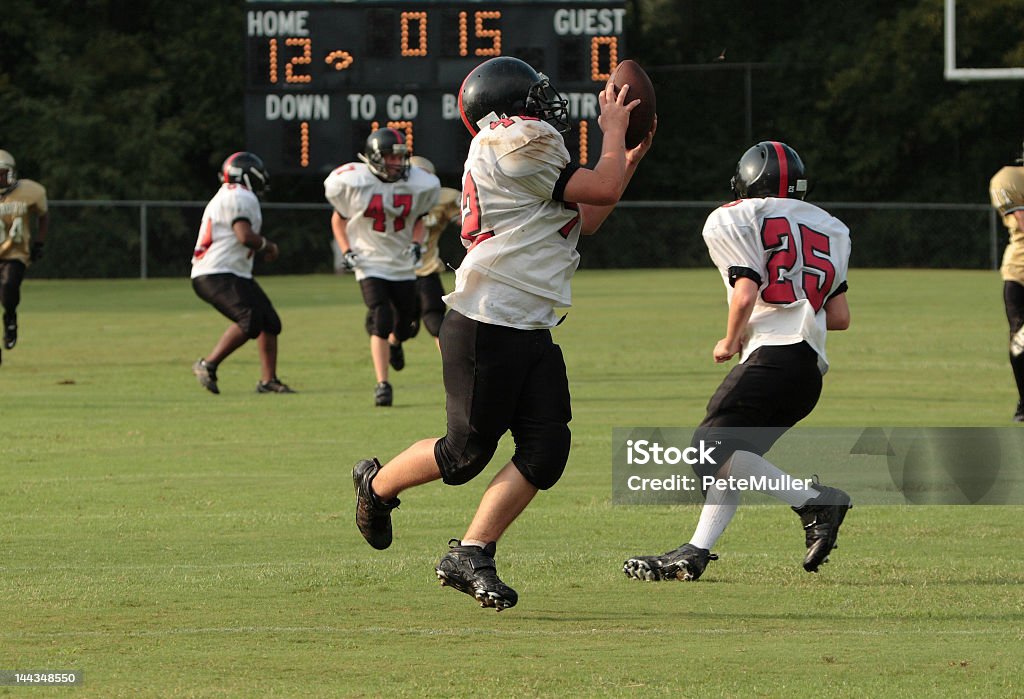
322	75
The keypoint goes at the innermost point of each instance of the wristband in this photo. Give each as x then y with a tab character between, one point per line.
263	245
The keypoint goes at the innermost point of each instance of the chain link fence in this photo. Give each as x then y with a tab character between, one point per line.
111	239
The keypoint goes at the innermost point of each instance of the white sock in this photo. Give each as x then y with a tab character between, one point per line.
718	510
746	465
474	542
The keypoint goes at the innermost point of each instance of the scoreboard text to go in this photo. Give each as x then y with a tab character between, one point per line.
321	76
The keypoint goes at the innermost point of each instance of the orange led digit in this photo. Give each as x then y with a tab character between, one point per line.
421	20
463	35
612	42
493	34
273	61
304	144
583	142
290	76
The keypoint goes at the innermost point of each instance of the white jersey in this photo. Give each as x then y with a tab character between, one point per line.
798	253
380	217
218	249
522	243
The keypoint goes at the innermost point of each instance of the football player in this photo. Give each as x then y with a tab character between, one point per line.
1006	190
524	206
379	205
430	307
20	201
229	240
784	264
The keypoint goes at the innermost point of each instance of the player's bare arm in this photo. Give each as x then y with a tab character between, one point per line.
603	185
1019	215
744	295
44	227
254	241
837	313
339	227
594	216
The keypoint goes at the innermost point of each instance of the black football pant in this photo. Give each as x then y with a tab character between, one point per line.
12	273
1013	299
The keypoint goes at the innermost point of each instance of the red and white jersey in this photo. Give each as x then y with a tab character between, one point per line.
522	243
381	216
218	249
801	255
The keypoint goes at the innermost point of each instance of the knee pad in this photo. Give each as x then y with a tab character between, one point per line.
433	319
462	460
251	324
380	320
414	329
543	463
255	321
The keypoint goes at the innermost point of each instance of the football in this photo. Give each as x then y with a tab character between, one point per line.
641	119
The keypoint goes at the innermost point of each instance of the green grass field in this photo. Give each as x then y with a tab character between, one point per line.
168	542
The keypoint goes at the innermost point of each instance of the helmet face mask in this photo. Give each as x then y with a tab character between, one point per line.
8	172
386	155
770	169
510	87
248	170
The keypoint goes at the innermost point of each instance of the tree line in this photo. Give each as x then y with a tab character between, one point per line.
114	99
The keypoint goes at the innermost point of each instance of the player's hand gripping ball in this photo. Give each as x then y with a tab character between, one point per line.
641	119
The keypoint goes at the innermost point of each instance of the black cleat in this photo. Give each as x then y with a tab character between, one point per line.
396	356
383	395
373	517
10	331
822	518
684	563
1019	415
470	569
206	374
273	386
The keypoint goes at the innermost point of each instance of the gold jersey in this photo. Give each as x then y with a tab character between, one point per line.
1006	191
17	207
446	210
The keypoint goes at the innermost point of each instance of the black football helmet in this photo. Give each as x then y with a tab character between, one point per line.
508	86
770	169
246	169
383	142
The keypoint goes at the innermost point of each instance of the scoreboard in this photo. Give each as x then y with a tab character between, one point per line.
320	76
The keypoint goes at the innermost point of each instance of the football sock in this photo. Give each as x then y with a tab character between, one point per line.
1017	364
718	510
750	466
474	542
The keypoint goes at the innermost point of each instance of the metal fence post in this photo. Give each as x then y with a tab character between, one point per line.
992	238
143	240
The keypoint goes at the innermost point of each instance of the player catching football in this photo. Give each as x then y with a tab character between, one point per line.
20	201
784	264
524	206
